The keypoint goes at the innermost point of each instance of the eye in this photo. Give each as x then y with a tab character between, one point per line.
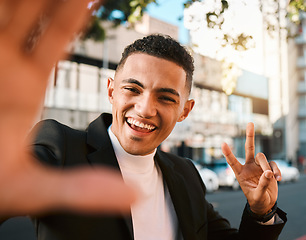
132	89
167	99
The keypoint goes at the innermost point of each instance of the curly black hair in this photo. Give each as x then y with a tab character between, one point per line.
165	47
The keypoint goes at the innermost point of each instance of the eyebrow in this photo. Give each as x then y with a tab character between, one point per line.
169	90
160	90
134	81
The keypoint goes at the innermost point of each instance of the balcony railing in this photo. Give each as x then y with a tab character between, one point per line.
301	87
301	39
301	62
302	112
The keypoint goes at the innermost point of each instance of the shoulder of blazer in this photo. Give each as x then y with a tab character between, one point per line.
55	130
54	140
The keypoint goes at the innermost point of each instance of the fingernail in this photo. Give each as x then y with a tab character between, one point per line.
278	178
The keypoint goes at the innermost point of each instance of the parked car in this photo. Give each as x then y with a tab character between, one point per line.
209	177
289	173
225	173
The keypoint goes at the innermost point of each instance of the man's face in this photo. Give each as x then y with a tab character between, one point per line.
148	96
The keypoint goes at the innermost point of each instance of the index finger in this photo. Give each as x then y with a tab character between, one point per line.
231	159
249	142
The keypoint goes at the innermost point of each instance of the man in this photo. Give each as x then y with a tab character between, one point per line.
149	94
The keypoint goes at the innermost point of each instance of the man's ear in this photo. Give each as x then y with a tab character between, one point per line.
187	109
110	89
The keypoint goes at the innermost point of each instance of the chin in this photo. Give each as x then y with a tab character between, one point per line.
138	150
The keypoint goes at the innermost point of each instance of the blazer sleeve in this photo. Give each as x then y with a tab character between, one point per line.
255	230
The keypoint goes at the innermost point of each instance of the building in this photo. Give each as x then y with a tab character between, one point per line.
236	78
286	69
298	53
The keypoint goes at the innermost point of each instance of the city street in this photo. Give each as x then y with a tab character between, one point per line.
292	199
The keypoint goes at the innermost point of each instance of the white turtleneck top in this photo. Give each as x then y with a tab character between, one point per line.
153	215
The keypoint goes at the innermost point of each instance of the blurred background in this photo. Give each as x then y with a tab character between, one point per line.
250	66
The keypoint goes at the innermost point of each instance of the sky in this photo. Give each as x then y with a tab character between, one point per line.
170	11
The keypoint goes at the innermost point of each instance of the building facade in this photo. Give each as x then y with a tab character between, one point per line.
299	44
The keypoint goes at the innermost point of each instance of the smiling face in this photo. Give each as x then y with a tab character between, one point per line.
148	96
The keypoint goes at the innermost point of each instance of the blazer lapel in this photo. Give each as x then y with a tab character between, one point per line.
179	195
103	153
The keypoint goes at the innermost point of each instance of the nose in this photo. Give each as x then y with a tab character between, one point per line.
146	106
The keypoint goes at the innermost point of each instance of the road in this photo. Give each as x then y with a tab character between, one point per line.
292	199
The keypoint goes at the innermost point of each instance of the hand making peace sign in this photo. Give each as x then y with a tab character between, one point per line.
257	178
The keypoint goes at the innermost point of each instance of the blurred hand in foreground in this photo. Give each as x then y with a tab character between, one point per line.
33	36
257	178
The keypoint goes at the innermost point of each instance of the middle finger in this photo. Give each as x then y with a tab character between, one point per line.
249	143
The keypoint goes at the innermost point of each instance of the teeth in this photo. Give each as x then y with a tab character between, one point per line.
140	124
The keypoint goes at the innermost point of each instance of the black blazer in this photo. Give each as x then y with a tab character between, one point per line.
61	146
